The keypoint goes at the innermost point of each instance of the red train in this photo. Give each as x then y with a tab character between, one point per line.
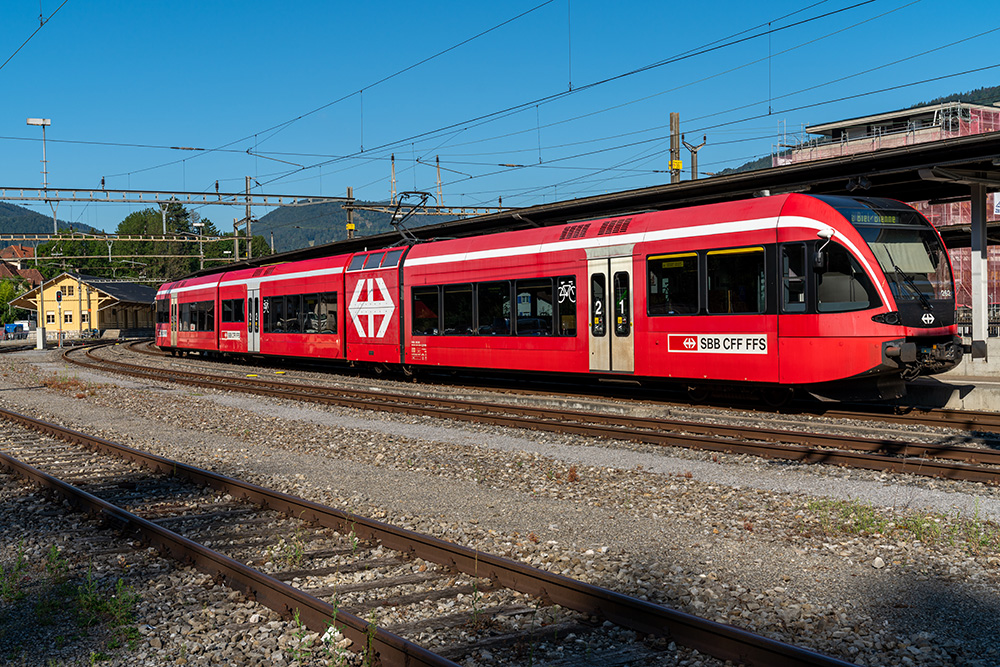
837	295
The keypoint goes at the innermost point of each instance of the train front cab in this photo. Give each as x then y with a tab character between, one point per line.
866	297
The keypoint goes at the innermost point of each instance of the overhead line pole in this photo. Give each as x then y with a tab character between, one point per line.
675	147
249	233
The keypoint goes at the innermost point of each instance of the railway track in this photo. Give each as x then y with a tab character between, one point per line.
967	420
975	464
185	512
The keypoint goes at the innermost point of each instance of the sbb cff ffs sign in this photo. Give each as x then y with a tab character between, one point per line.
718	343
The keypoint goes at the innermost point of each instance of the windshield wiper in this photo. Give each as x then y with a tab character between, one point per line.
924	301
913	286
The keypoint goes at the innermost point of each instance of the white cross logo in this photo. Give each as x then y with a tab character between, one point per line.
371	307
927	319
690	343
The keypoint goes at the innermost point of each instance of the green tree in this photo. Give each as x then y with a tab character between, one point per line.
10	290
182	257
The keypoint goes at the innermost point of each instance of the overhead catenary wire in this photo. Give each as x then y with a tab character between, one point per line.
711	47
41	24
704	49
274	129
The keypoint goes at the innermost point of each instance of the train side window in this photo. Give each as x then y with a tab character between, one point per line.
623	305
392	258
493	300
373	260
793	278
328	313
535	314
425	311
232	310
598	305
357	262
841	284
208	318
736	281
457	310
566	303
673	284
293	310
310	313
275	307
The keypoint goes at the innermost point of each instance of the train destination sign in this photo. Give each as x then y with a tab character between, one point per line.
718	343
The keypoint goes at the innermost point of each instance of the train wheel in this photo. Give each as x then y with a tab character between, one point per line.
698	393
777	397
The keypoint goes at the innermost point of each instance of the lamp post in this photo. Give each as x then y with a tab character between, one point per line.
43	123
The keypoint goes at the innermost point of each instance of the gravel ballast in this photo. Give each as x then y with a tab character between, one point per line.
730	538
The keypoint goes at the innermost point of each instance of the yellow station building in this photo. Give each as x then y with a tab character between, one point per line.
74	303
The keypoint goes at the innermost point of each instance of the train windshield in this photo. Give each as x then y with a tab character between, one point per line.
908	249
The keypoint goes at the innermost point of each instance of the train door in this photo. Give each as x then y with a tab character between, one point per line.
174	317
611	336
253	319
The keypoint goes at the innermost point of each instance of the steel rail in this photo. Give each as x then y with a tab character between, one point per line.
316	614
967	420
897	457
724	642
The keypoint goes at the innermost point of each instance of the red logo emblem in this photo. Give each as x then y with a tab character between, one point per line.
682	343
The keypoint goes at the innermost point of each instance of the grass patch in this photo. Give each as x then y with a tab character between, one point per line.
14	577
43	600
975	535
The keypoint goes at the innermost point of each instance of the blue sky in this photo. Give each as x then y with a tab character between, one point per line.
322	93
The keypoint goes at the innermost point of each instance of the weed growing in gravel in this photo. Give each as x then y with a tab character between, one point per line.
973	534
56	566
69	385
334	644
370	658
117	610
291	552
302	648
12	579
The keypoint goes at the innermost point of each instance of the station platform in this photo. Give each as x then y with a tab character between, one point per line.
973	385
956	391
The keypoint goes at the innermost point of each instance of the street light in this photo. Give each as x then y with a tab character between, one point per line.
45	122
40	330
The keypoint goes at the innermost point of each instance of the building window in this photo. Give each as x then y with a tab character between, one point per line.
50	317
68	290
68	317
85	318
